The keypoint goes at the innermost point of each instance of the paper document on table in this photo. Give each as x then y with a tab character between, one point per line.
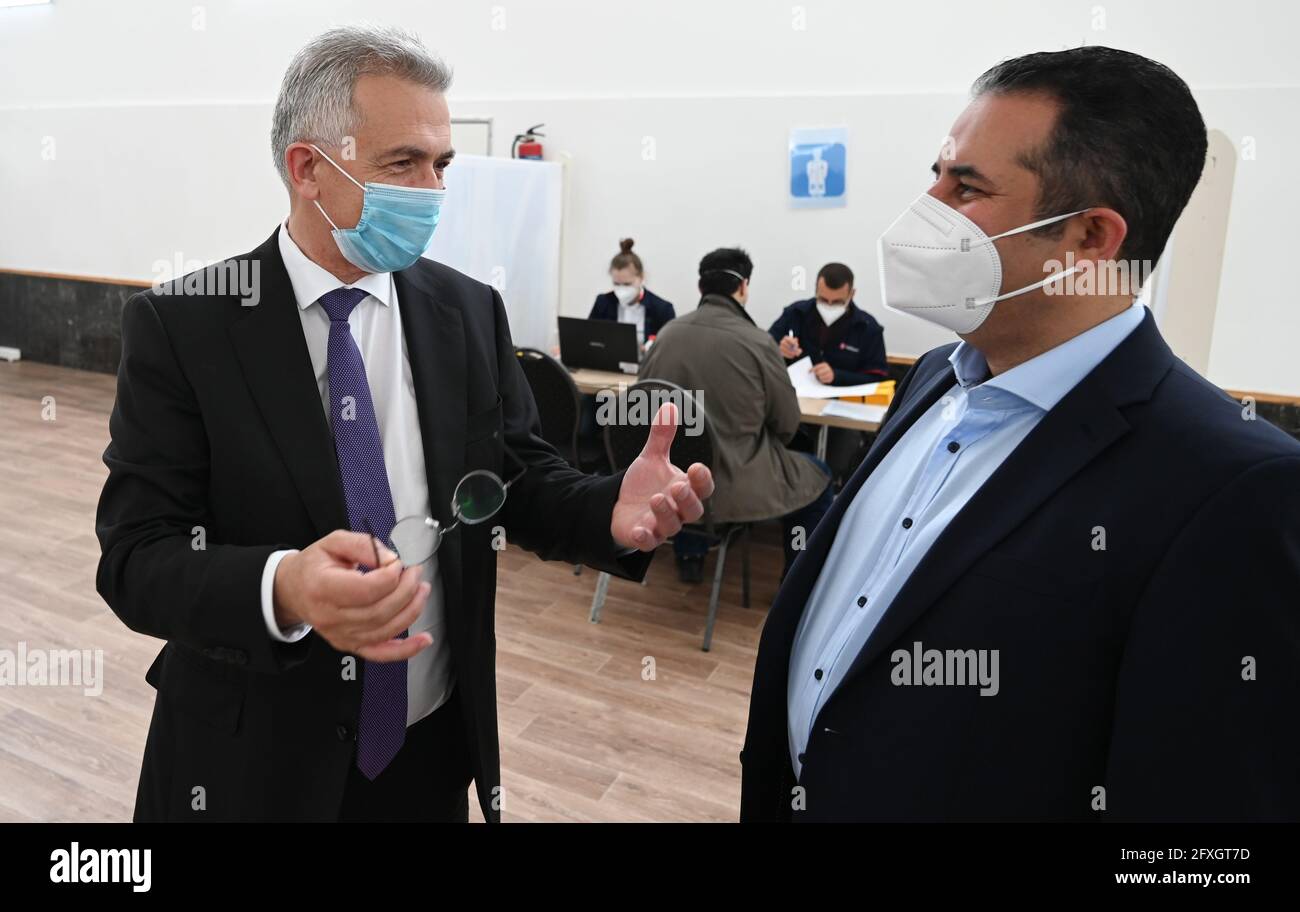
807	385
855	410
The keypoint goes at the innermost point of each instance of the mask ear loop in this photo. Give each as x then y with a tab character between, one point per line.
1051	278
341	171
326	214
1056	276
1032	225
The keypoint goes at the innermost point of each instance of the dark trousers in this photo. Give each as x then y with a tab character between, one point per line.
428	780
691	544
587	417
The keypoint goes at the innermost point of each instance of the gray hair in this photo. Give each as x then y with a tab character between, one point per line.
315	101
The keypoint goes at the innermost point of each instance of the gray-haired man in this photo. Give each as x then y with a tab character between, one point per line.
360	388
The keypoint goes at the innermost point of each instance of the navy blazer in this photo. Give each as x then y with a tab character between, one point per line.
855	344
1127	668
657	310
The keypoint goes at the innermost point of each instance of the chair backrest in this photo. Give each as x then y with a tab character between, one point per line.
624	439
558	404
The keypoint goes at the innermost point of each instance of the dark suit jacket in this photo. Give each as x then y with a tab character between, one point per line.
657	310
1120	668
218	423
855	343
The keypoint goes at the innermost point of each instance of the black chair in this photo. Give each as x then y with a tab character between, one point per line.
559	406
624	441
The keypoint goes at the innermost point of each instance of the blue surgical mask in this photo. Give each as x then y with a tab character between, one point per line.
395	227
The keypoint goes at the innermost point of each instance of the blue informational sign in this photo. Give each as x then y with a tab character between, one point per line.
818	157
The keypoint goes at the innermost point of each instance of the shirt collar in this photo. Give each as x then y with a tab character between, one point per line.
310	280
727	302
1044	379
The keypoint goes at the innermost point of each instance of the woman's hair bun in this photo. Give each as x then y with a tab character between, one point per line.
625	245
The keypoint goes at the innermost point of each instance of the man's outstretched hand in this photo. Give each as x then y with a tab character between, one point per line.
657	497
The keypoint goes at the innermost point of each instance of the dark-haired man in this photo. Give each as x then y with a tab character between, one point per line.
1062	585
845	345
719	354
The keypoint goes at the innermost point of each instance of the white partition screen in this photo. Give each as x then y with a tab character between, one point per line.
501	225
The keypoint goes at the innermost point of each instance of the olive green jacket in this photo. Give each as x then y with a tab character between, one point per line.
749	403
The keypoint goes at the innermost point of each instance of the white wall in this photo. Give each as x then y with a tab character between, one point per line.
158	112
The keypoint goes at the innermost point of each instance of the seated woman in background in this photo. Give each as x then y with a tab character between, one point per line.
630	301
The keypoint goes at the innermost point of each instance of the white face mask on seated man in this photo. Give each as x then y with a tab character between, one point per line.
831	312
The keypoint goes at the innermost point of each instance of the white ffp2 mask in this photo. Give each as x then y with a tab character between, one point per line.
938	265
832	312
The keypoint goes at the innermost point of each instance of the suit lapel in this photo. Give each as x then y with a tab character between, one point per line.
918	404
272	353
793	596
434	332
768	700
926	396
435	344
1071	435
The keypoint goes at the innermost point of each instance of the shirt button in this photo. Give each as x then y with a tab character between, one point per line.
801	756
818	674
907	523
862	601
953	446
343	732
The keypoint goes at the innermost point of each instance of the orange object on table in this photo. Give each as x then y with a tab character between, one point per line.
883	395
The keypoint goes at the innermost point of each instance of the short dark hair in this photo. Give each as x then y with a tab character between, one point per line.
1128	136
717	267
836	275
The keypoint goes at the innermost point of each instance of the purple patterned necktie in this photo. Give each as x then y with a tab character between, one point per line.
381	729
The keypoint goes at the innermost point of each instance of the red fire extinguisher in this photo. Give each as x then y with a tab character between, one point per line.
526	144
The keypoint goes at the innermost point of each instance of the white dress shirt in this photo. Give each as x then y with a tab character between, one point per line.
376	325
634	312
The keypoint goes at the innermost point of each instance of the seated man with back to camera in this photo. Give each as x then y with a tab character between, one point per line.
719	356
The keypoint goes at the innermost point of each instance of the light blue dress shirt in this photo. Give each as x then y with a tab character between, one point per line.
920	485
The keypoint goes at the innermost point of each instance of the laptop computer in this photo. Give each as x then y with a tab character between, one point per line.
598	344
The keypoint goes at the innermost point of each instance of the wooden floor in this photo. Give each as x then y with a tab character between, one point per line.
585	737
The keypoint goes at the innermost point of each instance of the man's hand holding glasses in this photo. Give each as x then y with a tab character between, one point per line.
362	614
366	613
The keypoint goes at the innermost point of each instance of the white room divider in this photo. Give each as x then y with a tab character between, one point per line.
501	225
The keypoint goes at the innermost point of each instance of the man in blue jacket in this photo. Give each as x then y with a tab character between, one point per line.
846	344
